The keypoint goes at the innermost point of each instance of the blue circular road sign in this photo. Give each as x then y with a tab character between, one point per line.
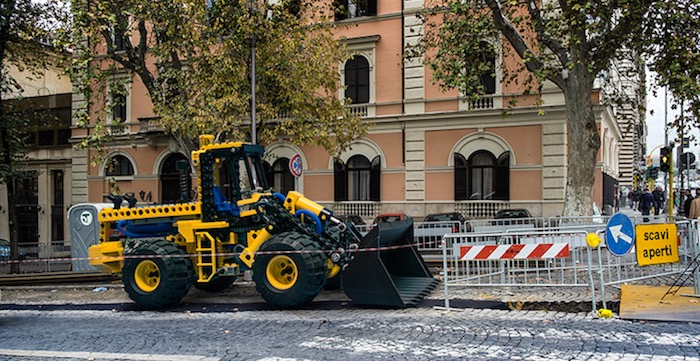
619	234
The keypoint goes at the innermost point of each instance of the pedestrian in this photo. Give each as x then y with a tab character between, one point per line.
694	212
629	199
636	194
646	201
686	204
659	200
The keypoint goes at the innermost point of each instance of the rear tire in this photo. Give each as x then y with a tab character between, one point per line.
290	277
217	284
162	278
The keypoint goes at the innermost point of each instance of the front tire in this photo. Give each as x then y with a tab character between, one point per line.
290	276
161	275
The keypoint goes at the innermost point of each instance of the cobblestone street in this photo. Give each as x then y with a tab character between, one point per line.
348	333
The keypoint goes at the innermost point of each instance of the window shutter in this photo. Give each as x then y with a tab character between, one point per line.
340	8
340	182
375	177
460	174
503	177
371	7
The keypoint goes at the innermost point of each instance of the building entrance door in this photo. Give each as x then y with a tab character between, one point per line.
170	179
27	211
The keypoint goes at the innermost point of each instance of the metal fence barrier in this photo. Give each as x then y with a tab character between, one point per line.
559	256
537	258
39	258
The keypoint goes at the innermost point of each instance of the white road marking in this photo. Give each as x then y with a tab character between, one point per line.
104	355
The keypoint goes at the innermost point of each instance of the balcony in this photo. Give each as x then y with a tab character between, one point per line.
150	125
480	209
469	209
118	129
360	208
482	103
363	110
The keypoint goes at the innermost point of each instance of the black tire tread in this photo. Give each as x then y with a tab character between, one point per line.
312	268
177	274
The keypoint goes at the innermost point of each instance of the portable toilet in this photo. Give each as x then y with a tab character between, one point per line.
84	232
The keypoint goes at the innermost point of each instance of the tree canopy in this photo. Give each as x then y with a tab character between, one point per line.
569	43
194	58
27	30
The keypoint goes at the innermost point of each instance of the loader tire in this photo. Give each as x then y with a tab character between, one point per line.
291	279
161	278
217	284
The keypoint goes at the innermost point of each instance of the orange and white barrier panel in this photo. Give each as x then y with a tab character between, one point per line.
514	251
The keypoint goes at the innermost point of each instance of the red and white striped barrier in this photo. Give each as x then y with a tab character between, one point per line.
514	251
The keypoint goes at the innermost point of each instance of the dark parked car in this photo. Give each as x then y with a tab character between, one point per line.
429	232
514	217
352	218
447	218
5	251
513	213
390	217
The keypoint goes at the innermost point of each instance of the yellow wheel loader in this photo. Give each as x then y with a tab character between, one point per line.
292	245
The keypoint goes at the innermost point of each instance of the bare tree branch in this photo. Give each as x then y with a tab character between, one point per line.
543	36
532	62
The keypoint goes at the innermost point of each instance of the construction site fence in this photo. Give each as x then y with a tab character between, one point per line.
560	256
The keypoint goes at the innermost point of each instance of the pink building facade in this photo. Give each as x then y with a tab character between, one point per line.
428	151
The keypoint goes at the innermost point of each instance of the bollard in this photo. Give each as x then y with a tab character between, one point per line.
593	240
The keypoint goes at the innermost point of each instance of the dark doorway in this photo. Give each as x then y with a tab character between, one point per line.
27	210
170	179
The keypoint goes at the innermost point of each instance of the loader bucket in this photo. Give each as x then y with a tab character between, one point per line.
387	270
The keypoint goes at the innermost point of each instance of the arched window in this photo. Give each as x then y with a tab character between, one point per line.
278	175
170	178
482	176
482	166
358	179
119	165
357	79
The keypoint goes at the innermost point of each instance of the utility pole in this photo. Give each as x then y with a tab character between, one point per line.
666	137
680	164
253	121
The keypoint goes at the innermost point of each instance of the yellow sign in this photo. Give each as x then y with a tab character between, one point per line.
656	244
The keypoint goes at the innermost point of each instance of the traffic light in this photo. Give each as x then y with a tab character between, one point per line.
665	159
654	172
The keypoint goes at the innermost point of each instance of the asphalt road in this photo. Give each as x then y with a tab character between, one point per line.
340	333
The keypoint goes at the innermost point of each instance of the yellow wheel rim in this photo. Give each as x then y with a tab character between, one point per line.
282	272
147	276
333	269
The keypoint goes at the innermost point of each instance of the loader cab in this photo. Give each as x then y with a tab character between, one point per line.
240	174
230	173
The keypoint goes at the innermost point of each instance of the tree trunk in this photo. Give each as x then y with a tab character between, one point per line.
583	144
10	183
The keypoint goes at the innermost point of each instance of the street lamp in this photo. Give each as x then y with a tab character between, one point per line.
253	103
253	121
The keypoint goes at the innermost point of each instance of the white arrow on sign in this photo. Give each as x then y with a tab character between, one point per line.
617	233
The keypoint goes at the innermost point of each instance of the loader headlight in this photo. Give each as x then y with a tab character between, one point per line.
335	257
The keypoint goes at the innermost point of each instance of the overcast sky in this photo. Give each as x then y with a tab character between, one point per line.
655	118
